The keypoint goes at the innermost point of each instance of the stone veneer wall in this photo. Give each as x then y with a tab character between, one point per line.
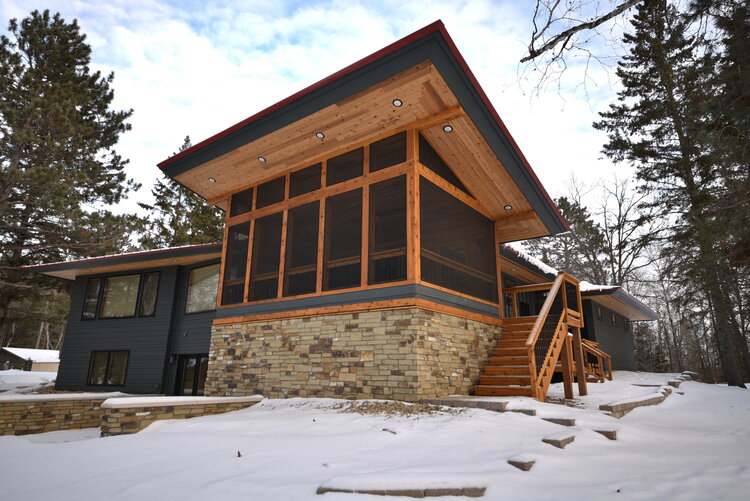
403	354
123	421
24	416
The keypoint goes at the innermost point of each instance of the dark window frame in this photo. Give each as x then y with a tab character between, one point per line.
139	296
187	288
614	319
599	313
108	367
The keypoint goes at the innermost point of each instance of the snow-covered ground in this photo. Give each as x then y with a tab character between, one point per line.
14	381
691	447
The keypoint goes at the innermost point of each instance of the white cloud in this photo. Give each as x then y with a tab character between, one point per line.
197	68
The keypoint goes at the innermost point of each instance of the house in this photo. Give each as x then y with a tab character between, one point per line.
361	258
29	359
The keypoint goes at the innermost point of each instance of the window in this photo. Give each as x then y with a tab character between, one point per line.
236	264
387	152
599	314
107	368
301	256
387	231
305	180
343	240
203	284
120	296
614	319
92	299
345	167
148	294
458	244
242	202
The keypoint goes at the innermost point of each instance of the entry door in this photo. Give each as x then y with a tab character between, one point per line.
191	374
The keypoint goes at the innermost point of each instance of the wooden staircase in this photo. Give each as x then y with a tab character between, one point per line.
507	370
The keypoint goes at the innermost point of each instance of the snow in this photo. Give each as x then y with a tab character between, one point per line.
35	355
123	403
14	381
690	447
534	261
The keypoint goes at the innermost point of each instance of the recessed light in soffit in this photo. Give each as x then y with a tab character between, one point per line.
320	135
448	128
262	160
397	103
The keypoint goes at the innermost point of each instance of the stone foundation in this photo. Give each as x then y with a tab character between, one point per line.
404	354
24	415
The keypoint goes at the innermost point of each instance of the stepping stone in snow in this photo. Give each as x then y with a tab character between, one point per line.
528	412
610	434
523	463
559	441
675	383
470	492
561	421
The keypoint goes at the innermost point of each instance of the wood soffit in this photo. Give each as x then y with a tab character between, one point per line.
428	105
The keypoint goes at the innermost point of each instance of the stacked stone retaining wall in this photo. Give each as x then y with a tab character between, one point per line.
25	415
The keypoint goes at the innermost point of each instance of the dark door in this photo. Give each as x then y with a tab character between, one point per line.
191	374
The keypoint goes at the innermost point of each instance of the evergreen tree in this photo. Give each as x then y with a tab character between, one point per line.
57	156
180	217
663	124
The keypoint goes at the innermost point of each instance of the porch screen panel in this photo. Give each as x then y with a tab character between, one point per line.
270	193
301	256
264	271
305	180
236	263
343	240
242	202
387	231
387	152
457	244
345	167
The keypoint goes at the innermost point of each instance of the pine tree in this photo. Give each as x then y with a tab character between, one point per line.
180	217
57	155
662	125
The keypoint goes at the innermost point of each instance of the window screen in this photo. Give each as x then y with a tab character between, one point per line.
270	192
241	202
432	160
345	167
203	283
235	265
300	269
120	296
264	272
387	152
457	244
387	231
92	299
343	240
148	294
304	180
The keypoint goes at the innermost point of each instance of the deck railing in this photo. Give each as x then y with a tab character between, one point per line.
597	364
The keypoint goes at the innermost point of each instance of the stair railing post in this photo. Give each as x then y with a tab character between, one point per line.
566	356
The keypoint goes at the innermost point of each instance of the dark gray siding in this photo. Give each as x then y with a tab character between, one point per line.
192	332
145	338
616	340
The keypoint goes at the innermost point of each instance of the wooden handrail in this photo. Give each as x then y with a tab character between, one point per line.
546	307
528	288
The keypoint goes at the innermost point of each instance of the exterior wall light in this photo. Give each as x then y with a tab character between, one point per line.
320	135
398	103
448	128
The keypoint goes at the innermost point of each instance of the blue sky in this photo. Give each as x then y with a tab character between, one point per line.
195	68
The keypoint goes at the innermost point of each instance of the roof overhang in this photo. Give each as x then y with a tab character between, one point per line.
619	301
426	72
174	256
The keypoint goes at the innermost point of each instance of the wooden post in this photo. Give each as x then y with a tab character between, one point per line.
282	259
249	262
413	241
566	356
580	362
321	246
500	309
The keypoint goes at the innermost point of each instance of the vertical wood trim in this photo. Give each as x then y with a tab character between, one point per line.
321	237
412	145
224	249
566	357
417	231
255	198
498	268
249	263
365	258
580	361
412	250
282	265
